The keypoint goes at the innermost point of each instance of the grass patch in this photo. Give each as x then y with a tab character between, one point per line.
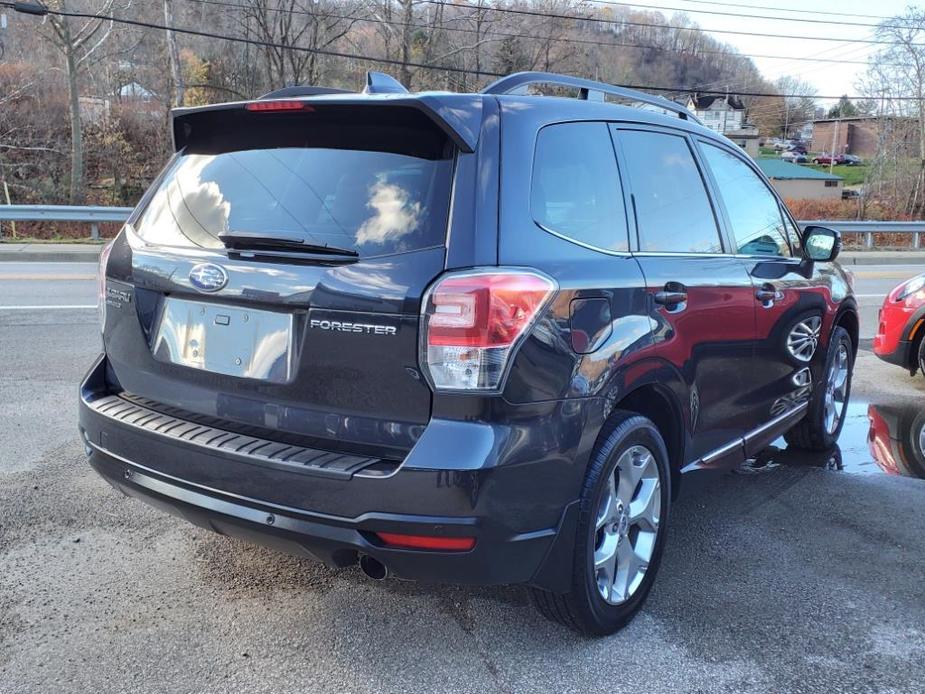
853	175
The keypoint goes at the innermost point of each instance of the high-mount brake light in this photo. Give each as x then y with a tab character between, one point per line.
473	323
288	105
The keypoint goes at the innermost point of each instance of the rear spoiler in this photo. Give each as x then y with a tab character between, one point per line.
459	116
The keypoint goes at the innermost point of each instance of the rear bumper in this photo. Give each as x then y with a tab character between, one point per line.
522	515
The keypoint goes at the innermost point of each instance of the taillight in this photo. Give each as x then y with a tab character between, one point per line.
264	106
473	323
101	283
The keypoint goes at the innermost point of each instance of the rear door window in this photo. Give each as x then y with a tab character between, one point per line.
373	202
673	211
753	210
575	189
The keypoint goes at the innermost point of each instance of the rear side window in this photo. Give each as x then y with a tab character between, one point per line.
754	213
673	212
576	186
374	202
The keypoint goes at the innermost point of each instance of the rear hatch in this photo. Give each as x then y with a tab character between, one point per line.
272	277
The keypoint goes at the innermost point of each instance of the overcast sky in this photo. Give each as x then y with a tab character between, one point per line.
828	78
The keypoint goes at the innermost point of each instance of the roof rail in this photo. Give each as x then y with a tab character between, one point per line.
381	83
299	90
588	89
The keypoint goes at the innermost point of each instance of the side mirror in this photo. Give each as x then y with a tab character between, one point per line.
821	244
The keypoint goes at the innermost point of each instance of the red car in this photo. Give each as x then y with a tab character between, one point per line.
827	159
897	439
902	325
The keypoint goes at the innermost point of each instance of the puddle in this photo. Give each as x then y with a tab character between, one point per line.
876	439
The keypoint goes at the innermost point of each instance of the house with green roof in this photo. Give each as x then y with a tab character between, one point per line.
801	182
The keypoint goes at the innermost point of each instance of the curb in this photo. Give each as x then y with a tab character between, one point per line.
899	258
50	257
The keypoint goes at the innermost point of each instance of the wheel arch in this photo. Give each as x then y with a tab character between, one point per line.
659	404
848	319
914	332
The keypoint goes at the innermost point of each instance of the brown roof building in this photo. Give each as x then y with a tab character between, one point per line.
864	135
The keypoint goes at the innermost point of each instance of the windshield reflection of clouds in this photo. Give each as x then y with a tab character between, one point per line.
374	199
189	208
394	215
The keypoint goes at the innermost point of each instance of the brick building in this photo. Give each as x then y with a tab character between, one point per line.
862	135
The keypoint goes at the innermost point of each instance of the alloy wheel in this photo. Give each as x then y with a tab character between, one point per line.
627	525
836	389
804	338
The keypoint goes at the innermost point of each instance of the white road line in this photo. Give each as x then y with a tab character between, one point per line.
59	307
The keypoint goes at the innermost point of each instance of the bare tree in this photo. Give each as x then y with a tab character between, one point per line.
289	25
778	115
896	78
173	55
77	43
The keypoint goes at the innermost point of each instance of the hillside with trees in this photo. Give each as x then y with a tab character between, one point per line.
84	102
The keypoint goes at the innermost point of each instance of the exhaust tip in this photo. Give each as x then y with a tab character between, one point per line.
373	568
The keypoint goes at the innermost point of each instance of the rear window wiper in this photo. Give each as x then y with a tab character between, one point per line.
250	241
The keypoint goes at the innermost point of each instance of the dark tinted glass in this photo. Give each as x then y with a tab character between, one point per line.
576	186
673	211
754	213
373	202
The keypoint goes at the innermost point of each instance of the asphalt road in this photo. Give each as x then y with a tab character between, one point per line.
777	578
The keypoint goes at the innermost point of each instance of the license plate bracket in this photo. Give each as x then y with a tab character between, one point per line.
228	340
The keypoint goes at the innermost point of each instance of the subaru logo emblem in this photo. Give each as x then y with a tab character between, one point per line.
208	277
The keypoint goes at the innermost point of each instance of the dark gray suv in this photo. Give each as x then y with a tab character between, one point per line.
460	337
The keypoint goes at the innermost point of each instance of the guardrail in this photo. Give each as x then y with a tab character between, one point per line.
92	215
868	229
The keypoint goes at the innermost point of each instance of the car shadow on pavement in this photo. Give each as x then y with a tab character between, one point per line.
789	564
786	579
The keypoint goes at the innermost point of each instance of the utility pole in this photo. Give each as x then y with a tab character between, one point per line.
176	73
834	140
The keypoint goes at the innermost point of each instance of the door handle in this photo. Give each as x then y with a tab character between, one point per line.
768	293
673	294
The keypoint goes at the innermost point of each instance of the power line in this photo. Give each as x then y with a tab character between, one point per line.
743	83
723	13
593	2
653	25
785	9
41	11
592	42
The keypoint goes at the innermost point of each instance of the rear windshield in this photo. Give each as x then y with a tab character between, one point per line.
373	202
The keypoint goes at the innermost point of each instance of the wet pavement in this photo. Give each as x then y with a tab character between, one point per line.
876	439
793	578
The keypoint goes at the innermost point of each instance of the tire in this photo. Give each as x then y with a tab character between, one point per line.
635	444
920	357
913	443
815	432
